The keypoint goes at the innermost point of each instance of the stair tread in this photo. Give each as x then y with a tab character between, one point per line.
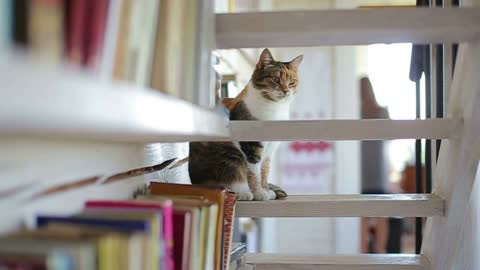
335	130
337	262
345	205
329	27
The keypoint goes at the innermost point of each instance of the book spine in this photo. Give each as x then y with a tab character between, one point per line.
20	22
229	215
76	18
168	236
46	29
5	23
95	32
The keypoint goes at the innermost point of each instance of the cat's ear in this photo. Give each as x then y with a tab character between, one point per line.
296	62
266	59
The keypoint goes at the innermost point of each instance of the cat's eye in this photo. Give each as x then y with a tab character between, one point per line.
292	83
276	80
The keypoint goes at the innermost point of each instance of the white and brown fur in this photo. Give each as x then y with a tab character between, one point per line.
243	167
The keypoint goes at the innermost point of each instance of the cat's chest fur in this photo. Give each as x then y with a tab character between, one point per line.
263	109
266	110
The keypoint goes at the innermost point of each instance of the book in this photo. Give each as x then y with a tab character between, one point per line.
215	195
115	250
96	12
20	22
5	23
23	261
229	215
75	33
57	253
182	234
111	246
164	208
111	249
119	65
154	221
204	242
107	61
193	260
45	29
141	41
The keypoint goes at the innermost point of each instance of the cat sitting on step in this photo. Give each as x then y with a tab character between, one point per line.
243	167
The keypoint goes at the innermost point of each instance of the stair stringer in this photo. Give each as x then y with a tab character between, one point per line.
456	169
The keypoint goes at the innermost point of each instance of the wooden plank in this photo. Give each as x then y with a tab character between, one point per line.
58	102
335	130
265	261
403	205
364	26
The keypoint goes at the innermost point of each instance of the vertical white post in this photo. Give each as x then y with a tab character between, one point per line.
347	153
206	41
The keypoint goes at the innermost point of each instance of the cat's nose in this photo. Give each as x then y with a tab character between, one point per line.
284	90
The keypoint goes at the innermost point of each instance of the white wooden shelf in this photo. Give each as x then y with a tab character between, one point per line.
264	261
403	205
333	130
364	26
47	101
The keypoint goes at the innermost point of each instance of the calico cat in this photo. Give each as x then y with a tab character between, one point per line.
243	167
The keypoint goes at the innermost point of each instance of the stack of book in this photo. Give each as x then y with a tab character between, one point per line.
173	226
152	43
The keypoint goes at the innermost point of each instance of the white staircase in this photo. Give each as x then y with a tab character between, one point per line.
460	131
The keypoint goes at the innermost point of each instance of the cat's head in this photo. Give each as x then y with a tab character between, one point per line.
276	81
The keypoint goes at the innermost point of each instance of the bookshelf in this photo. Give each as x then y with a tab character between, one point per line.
78	105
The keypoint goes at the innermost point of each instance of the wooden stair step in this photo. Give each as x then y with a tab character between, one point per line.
342	205
336	130
364	26
265	261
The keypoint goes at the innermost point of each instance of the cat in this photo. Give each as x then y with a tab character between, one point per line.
243	167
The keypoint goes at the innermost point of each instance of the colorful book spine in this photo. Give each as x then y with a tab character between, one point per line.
120	225
20	22
229	215
5	23
75	34
164	208
97	12
46	29
182	236
215	195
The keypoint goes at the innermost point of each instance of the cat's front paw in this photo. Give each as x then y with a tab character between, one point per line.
278	191
263	195
245	196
